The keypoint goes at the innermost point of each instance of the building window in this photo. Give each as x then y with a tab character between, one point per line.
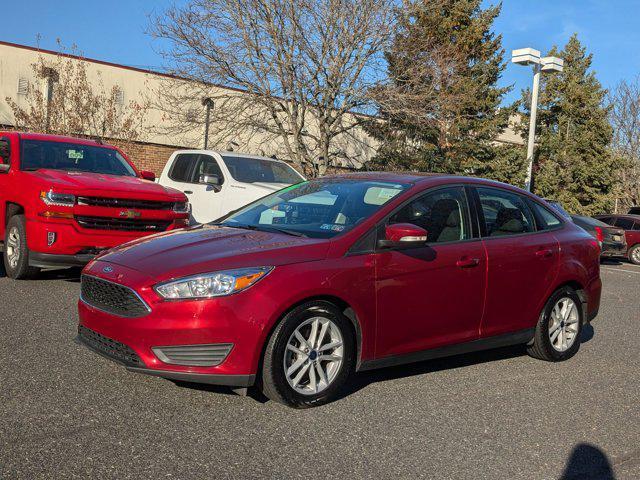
23	86
119	96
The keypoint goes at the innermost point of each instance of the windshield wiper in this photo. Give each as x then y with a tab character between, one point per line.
263	228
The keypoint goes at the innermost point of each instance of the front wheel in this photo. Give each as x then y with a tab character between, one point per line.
634	254
309	357
557	334
16	253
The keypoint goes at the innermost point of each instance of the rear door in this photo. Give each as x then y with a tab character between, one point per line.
185	173
522	260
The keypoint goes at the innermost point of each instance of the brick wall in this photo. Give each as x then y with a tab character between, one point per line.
146	156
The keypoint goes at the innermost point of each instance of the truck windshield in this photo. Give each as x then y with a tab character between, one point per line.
255	170
72	157
319	208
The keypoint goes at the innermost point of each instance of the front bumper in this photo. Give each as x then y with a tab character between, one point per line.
207	378
50	260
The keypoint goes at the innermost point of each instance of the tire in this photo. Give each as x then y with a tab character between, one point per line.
276	385
563	326
16	252
634	254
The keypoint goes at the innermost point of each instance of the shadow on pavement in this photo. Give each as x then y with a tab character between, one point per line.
2	272
588	462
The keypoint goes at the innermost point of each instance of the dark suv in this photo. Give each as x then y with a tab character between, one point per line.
631	226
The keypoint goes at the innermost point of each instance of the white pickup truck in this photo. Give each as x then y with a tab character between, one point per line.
218	182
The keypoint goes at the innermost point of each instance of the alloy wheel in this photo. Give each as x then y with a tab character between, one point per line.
313	356
13	247
563	324
635	255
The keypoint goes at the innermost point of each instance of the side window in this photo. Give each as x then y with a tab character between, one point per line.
181	169
546	219
625	223
206	165
442	213
505	213
636	226
4	150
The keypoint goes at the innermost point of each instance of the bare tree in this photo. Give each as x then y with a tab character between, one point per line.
63	100
625	119
295	71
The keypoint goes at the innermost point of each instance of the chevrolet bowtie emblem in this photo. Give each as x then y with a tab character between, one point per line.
129	214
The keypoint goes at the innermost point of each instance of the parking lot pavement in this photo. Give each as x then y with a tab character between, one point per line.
68	413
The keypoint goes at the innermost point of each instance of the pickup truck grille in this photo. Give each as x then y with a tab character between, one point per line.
125	203
130	225
111	297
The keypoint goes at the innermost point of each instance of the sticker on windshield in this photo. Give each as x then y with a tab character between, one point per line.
331	226
75	154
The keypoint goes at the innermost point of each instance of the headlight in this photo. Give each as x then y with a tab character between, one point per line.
216	284
181	207
58	199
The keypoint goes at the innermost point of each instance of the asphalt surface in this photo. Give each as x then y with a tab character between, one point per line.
68	413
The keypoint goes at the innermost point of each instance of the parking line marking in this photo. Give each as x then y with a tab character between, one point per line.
637	272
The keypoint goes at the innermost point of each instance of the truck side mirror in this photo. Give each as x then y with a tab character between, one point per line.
211	179
147	175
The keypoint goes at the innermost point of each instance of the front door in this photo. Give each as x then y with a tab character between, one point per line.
431	296
207	201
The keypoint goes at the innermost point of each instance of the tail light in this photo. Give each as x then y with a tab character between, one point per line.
599	234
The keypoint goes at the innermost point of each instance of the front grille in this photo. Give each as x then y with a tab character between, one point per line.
194	355
106	223
111	297
109	347
125	203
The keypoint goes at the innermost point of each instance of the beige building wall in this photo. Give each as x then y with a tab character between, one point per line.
159	130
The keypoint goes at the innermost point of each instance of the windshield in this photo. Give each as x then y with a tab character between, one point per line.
255	170
318	208
73	157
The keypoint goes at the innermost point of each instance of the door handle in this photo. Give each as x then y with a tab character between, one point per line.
544	252
188	192
466	262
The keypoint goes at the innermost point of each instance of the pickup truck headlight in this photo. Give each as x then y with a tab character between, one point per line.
215	284
52	198
181	207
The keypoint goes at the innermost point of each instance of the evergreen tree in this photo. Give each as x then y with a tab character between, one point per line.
573	162
441	103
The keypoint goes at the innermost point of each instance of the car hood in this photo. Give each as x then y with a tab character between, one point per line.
94	183
208	248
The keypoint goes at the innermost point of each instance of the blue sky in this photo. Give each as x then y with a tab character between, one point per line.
115	31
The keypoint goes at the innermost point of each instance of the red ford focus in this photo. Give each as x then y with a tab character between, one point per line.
296	291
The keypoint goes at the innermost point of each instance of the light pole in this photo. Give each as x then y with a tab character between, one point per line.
529	56
209	104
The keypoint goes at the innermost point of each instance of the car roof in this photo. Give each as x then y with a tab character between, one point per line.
56	138
423	178
230	154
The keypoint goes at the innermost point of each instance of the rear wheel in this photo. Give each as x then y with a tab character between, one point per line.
634	254
16	252
309	357
557	334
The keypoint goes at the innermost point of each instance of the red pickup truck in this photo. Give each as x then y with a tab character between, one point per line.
63	200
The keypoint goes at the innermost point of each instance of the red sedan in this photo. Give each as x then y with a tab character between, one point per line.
298	290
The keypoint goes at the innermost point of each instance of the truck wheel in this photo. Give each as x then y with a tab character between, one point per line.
634	254
309	357
557	334
16	253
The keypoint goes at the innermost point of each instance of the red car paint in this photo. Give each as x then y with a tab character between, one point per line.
401	301
20	192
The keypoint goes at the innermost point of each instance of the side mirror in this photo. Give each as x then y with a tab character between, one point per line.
210	179
147	175
403	235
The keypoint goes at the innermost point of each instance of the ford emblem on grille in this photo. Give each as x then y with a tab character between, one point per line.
107	269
